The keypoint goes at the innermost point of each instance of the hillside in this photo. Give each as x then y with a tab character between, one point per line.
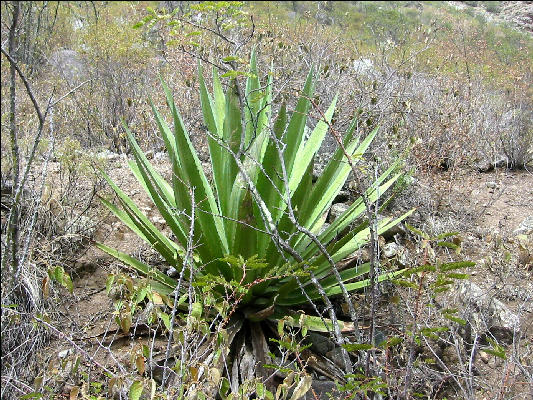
339	206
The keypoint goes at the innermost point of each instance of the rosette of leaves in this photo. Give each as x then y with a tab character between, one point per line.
261	170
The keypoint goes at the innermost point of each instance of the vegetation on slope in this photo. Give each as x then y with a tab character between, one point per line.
438	78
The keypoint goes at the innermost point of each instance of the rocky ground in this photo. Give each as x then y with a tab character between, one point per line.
517	13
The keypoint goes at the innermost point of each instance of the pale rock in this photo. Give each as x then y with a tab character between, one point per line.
336	211
172	272
159	220
525	227
64	353
160	156
363	66
390	250
493	314
69	64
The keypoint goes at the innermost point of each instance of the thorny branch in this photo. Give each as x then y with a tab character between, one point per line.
186	261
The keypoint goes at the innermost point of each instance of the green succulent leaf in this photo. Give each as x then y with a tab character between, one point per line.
259	165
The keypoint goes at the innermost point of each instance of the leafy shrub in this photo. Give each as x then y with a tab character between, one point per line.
262	206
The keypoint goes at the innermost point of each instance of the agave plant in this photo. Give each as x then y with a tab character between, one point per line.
259	219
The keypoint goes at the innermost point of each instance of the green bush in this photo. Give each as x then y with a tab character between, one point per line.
261	207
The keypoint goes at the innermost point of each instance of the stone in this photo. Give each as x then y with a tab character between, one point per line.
390	249
65	353
493	314
484	166
525	227
335	355
69	64
393	249
323	390
363	66
320	344
336	211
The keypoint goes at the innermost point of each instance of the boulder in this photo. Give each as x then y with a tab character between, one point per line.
491	314
320	344
486	165
69	64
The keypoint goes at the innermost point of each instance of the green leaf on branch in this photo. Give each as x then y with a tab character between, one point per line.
135	391
354	347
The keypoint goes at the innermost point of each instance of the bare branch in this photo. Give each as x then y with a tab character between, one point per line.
186	261
73	344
